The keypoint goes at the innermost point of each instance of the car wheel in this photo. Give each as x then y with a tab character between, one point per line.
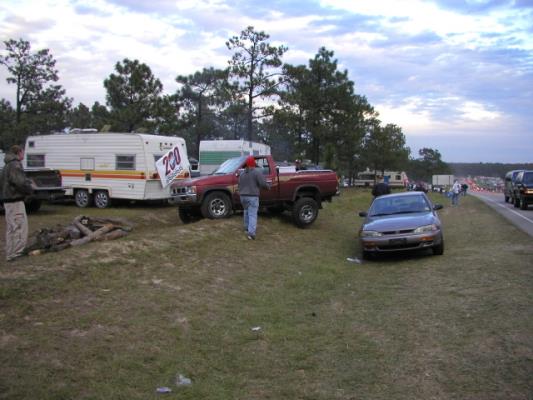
516	202
101	199
304	212
188	215
33	205
82	198
438	250
523	204
216	205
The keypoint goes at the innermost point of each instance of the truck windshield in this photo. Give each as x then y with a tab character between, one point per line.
230	166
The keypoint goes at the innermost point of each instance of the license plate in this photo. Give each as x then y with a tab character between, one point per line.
396	242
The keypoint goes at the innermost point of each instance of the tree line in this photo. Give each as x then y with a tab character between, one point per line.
307	112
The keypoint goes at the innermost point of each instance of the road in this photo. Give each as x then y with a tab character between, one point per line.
523	219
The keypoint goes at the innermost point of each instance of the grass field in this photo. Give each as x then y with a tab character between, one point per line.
118	319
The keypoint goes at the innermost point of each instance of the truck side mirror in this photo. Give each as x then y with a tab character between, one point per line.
277	170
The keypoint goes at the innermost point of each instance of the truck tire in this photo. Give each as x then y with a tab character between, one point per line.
523	203
188	215
33	205
304	212
101	199
216	205
516	202
82	198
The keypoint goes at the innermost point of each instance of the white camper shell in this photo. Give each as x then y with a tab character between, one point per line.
103	166
215	152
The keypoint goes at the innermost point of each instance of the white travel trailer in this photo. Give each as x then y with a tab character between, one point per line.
395	179
98	167
215	152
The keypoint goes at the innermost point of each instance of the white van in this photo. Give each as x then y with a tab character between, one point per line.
98	167
215	152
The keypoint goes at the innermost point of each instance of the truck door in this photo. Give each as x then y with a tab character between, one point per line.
269	172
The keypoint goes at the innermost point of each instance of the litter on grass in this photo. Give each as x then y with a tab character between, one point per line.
354	260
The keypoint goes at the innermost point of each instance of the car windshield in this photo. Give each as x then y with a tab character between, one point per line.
230	166
399	205
528	178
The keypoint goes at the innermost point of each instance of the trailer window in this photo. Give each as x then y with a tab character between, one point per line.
125	162
87	164
35	160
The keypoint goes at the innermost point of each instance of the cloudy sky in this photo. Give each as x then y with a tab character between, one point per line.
456	75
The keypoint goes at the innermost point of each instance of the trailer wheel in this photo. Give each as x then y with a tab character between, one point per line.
82	198
101	199
304	212
216	205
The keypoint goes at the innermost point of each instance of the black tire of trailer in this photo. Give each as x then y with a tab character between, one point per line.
216	205
304	212
82	198
102	199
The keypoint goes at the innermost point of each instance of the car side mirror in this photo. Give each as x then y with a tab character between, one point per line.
437	207
363	213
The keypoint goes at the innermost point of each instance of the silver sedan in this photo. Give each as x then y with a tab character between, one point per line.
400	222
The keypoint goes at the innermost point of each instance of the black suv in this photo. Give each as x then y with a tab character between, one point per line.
508	182
523	189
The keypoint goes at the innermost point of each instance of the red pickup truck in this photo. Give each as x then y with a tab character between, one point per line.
217	195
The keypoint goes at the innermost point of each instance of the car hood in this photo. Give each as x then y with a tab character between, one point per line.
202	180
400	222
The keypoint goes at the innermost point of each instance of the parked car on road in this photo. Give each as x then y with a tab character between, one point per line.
523	189
508	184
399	222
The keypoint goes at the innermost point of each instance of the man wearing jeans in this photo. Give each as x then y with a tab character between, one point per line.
250	183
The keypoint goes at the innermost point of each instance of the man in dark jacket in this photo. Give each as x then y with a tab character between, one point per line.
15	186
380	189
250	183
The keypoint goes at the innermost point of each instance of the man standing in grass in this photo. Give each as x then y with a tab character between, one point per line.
250	183
456	189
15	186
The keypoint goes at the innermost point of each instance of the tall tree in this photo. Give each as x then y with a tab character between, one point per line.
80	117
254	64
30	72
200	94
324	107
384	147
132	95
7	120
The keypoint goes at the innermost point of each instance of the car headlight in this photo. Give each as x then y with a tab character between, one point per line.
191	189
371	234
427	228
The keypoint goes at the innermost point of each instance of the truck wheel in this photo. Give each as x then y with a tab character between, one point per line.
523	204
304	212
33	205
82	198
101	199
188	215
216	205
516	202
